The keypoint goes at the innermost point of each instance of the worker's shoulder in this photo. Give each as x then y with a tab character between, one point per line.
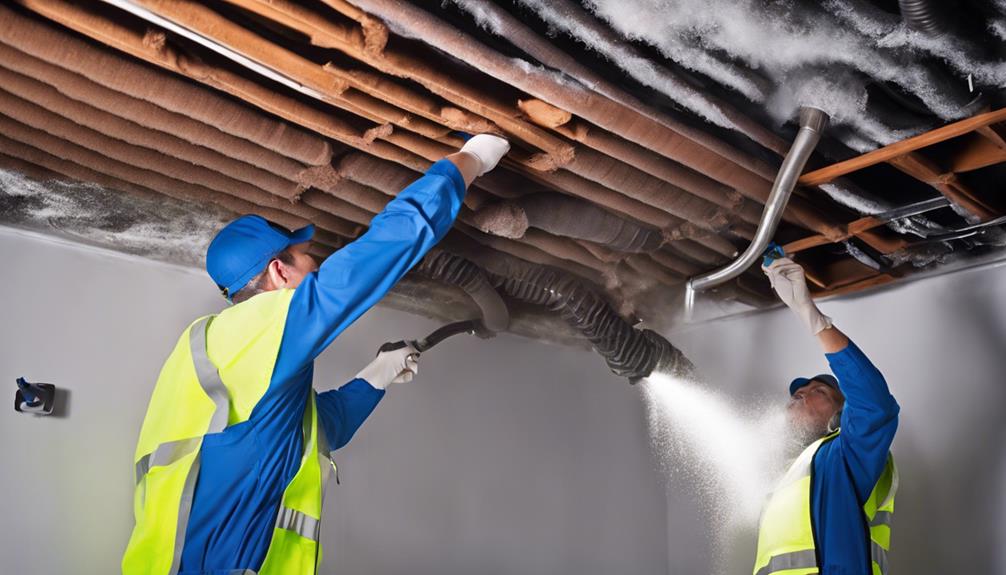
264	308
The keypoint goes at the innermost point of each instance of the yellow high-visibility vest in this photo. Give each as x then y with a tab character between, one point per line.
219	370
786	538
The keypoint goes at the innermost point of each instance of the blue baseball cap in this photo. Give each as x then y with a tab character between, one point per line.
243	248
824	378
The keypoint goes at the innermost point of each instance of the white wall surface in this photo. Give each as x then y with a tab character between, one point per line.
504	456
941	344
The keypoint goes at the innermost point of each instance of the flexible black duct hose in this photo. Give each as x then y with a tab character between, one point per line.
629	352
923	16
449	268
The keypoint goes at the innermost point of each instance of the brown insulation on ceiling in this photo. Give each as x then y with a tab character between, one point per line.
96	94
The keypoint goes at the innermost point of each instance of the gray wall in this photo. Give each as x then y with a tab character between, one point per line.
504	456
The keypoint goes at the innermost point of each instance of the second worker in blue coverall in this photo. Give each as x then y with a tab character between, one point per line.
831	512
244	471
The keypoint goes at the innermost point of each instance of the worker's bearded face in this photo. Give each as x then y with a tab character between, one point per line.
811	409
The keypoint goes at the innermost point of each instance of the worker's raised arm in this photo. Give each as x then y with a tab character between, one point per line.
357	276
869	418
870	414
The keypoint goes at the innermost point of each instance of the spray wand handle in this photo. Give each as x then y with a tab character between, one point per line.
421	345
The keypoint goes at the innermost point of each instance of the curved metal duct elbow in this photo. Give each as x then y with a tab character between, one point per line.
562	215
457	271
812	123
923	16
629	352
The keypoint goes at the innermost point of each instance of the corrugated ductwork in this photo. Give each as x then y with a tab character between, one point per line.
629	352
922	15
457	271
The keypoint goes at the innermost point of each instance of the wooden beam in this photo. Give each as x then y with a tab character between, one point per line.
897	149
996	133
873	281
924	170
860	228
813	277
884	244
978	152
805	244
844	272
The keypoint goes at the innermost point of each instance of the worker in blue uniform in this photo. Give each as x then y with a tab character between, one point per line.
246	485
831	512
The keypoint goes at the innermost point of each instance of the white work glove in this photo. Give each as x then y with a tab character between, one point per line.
790	283
488	149
398	366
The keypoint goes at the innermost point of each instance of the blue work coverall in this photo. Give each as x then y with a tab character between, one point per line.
847	468
246	467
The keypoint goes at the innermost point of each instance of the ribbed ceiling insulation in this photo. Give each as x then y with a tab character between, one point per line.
94	114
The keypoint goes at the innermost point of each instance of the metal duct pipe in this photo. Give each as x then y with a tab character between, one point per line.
457	271
629	352
812	122
569	217
921	15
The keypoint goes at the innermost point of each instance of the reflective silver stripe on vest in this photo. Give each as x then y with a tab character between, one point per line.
882	518
184	507
796	560
300	523
166	454
209	377
879	556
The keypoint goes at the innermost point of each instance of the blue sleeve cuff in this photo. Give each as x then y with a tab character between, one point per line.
360	385
363	385
447	169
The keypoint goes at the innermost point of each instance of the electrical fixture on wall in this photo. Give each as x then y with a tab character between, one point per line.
37	398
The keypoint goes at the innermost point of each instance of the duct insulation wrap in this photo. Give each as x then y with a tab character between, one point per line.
629	352
457	271
565	216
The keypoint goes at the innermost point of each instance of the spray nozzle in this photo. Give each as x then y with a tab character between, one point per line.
773	252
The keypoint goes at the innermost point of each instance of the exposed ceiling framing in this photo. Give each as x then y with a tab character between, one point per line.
321	111
936	159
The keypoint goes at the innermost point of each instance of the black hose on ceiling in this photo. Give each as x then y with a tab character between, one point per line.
923	16
629	352
566	216
457	271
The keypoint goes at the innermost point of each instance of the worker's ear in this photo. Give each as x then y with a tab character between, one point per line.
279	274
835	422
